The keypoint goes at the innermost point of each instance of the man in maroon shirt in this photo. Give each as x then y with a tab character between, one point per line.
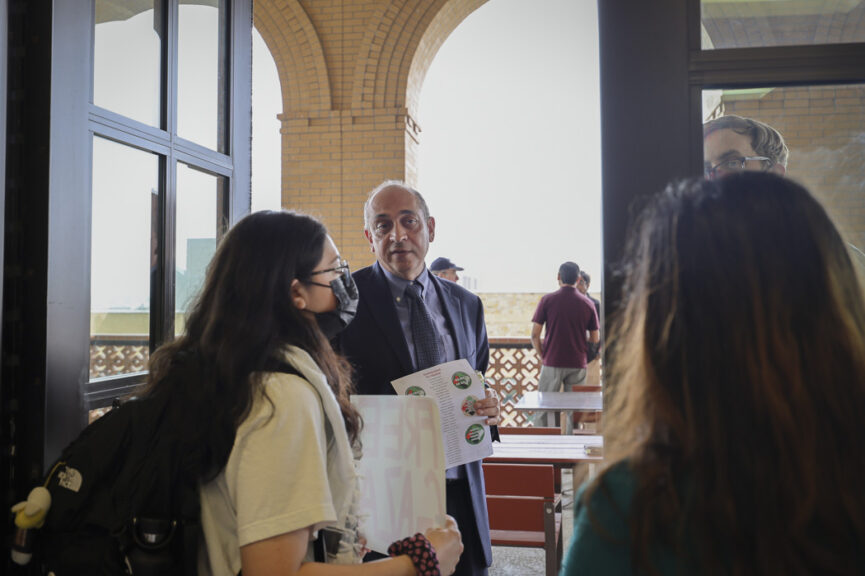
569	316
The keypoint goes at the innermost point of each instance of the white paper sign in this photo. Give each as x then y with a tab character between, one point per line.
456	386
402	471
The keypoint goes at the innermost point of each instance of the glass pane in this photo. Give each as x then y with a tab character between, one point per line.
202	73
123	257
758	23
823	128
200	198
126	59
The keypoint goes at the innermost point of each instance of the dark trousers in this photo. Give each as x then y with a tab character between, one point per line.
459	505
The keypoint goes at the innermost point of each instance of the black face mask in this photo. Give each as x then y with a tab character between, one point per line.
335	321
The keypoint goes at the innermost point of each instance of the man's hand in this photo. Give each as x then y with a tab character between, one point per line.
490	407
536	339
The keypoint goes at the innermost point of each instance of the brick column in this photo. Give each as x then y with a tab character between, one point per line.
332	159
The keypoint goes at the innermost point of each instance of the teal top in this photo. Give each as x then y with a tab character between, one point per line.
600	543
601	538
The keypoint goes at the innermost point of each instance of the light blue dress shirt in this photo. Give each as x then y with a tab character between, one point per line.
431	298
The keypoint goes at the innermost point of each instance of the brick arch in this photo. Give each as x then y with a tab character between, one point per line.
398	46
294	43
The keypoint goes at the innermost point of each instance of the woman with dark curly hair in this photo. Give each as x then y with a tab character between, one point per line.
272	436
735	430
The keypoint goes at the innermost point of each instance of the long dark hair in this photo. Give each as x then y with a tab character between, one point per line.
737	382
237	326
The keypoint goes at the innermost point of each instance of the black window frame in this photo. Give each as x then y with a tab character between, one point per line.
69	392
653	72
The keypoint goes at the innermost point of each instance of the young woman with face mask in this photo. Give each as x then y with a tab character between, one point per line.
273	450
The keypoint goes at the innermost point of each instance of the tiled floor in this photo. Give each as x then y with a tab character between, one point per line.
509	561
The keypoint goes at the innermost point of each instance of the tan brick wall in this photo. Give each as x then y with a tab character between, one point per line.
350	73
824	127
331	160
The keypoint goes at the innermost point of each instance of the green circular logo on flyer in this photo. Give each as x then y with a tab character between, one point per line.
468	406
474	434
415	391
461	380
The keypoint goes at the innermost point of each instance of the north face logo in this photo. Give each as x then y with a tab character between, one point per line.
69	478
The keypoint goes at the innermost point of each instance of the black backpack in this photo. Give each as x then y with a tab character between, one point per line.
123	498
121	501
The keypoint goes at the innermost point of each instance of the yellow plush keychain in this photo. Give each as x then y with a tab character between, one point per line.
29	515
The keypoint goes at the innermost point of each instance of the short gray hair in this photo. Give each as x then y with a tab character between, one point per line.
424	209
586	278
765	140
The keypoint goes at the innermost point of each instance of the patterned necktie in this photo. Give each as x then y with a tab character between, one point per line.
427	349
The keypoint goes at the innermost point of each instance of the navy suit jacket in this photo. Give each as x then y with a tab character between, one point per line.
375	345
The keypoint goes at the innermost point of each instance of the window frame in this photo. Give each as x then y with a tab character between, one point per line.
651	111
75	122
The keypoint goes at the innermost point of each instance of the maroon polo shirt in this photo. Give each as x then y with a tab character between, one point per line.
567	314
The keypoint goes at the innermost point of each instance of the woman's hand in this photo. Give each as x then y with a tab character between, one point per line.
448	545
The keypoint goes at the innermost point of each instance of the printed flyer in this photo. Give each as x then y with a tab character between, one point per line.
402	471
456	387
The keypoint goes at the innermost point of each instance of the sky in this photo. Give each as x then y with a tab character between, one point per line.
266	140
509	159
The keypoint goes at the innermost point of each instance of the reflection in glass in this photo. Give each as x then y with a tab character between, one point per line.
126	59
201	73
123	257
737	24
824	130
200	198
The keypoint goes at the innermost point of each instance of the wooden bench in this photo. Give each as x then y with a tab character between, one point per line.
525	510
533	430
536	431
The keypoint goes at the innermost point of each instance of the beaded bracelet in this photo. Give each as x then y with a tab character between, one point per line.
421	552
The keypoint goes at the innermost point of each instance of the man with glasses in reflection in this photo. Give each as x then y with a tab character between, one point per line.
733	144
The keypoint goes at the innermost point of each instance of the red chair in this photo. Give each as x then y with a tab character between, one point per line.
525	509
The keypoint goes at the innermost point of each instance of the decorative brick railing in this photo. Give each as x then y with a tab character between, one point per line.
111	355
514	366
514	369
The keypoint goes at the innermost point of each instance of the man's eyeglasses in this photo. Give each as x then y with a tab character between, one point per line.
735	164
342	268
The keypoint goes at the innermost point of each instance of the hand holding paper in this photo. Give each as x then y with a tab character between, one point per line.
448	545
489	407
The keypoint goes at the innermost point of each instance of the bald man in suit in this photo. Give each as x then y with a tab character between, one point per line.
380	345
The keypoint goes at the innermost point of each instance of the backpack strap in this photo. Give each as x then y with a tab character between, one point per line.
320	544
275	365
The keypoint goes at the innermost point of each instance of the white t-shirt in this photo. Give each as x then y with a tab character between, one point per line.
276	478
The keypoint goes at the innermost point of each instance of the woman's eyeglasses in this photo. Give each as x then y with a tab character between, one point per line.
342	268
